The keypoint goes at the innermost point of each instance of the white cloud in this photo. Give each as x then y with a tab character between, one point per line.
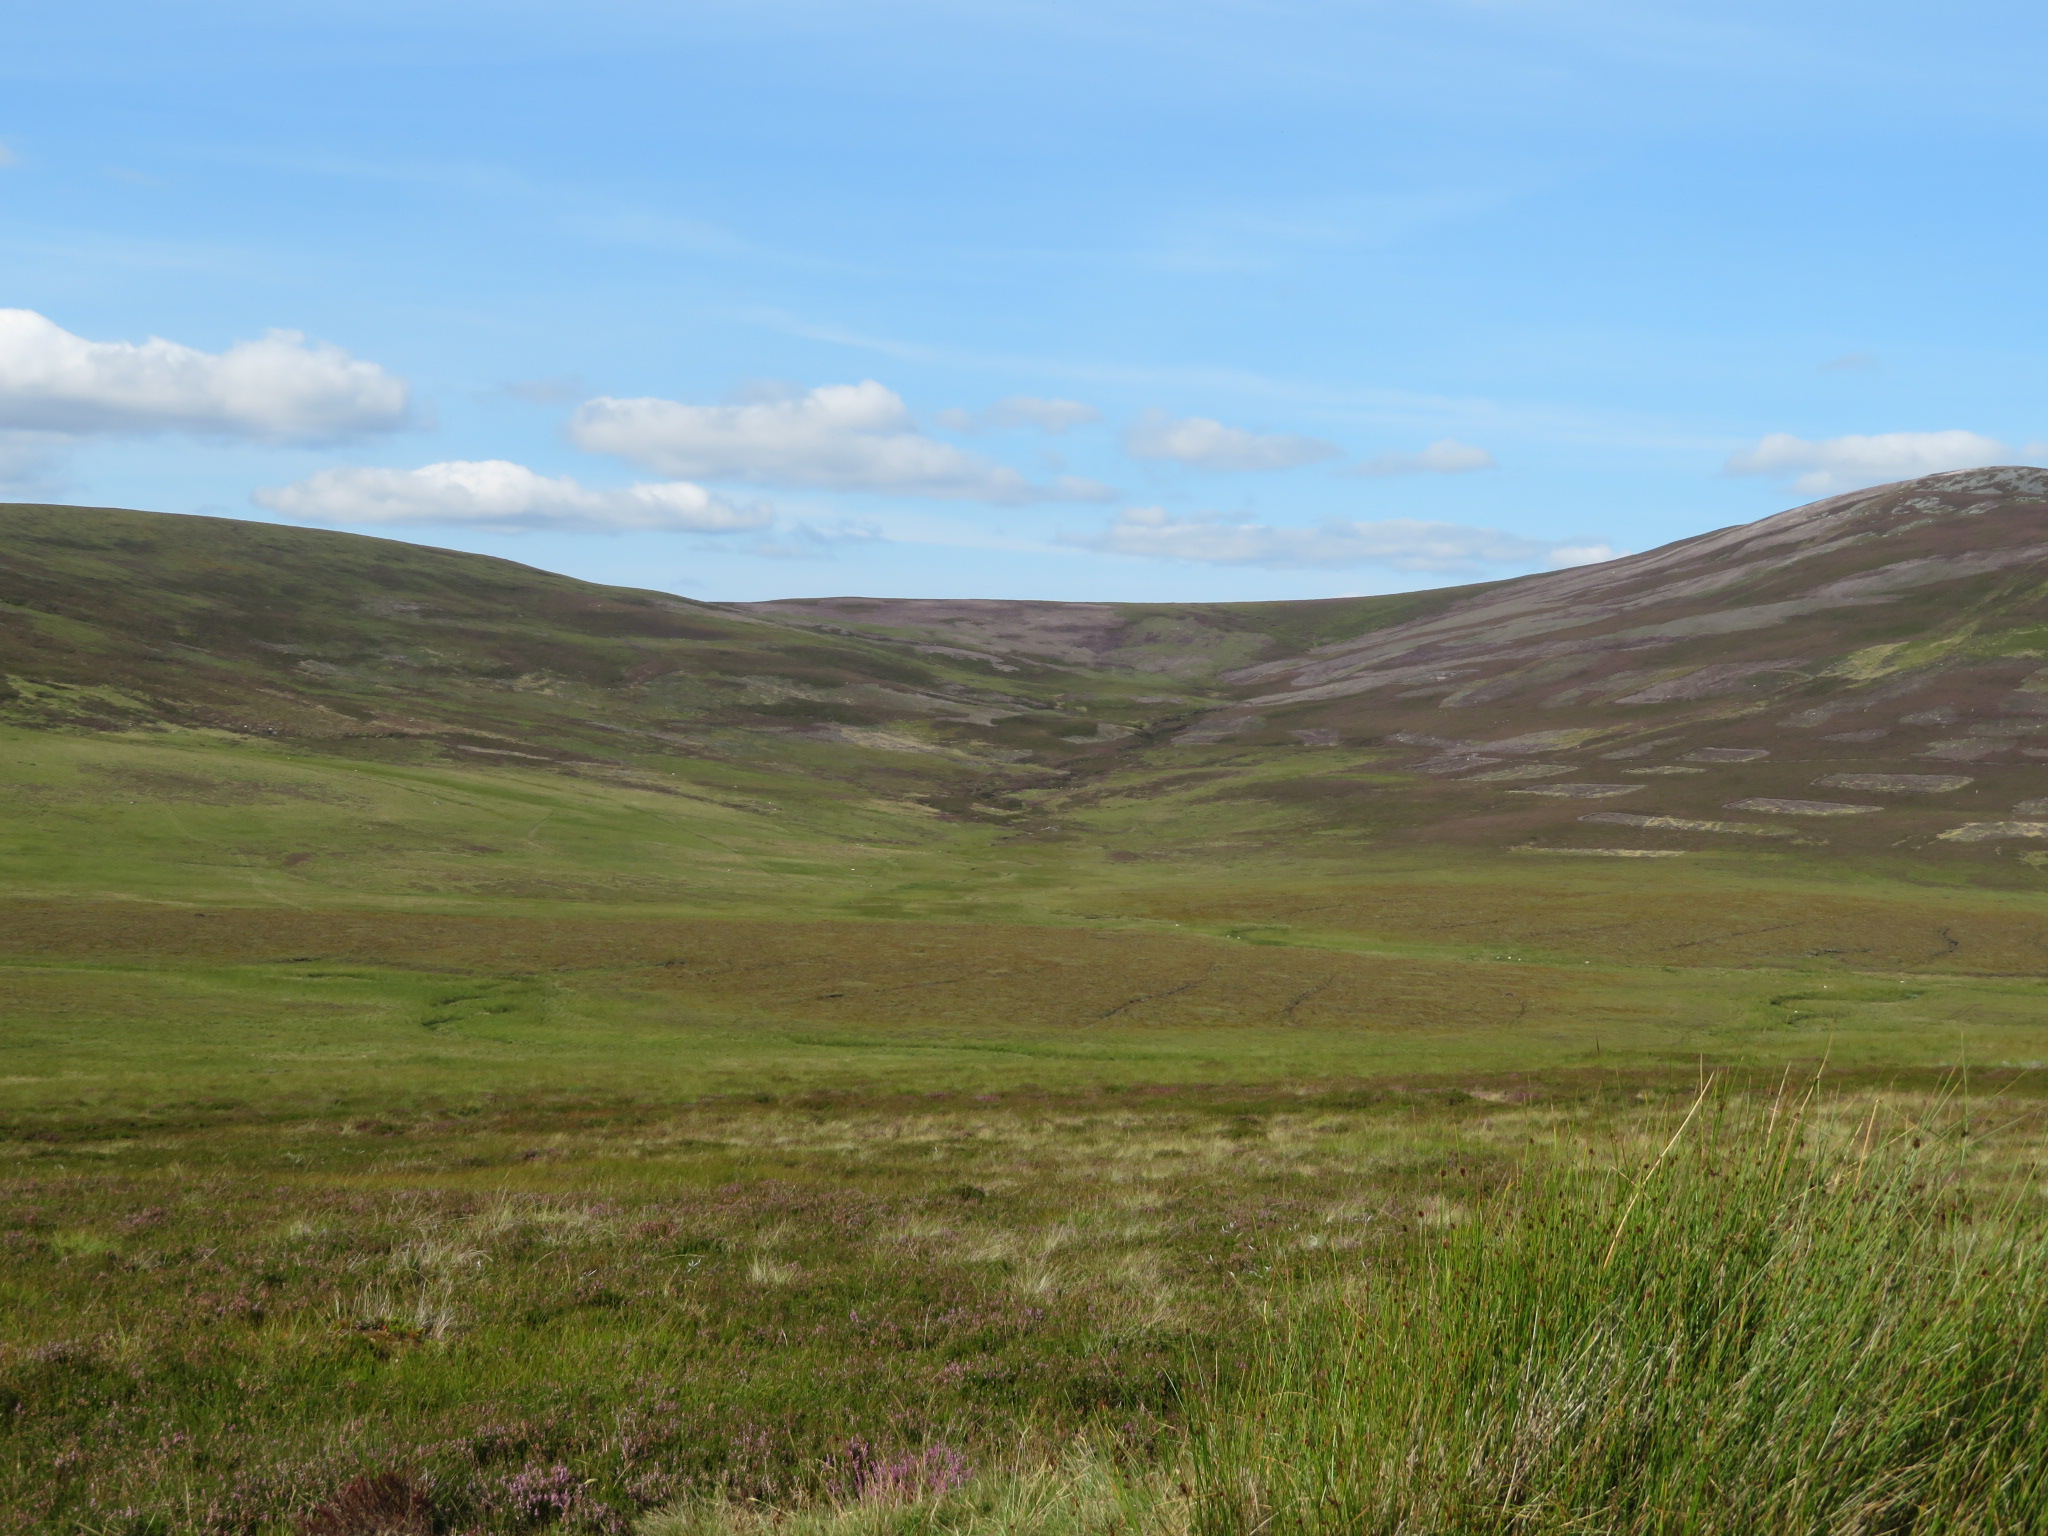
1446	456
7	157
1213	538
845	437
493	493
280	388
1850	463
1205	444
1021	411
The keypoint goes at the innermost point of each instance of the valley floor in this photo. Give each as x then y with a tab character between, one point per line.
366	1172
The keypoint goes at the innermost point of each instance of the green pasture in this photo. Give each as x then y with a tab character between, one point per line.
563	900
187	815
118	1047
191	815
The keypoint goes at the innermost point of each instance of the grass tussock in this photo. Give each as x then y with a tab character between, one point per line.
1777	1323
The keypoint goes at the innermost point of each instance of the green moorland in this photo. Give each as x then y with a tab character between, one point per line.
538	1152
489	1091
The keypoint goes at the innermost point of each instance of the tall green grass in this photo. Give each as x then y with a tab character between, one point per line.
1774	1324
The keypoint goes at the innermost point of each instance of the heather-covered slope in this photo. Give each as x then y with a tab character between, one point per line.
1869	671
1867	675
1188	642
1923	579
111	618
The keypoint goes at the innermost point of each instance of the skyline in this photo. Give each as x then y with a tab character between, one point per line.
1018	300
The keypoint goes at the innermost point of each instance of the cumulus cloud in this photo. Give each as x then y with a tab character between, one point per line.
1202	443
1214	538
1832	464
1446	456
494	493
1021	411
842	437
279	388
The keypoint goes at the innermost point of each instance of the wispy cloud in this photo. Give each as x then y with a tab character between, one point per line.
1828	465
1202	443
556	391
580	207
1215	538
843	437
494	493
1384	409
1445	456
29	464
1021	411
1274	234
811	541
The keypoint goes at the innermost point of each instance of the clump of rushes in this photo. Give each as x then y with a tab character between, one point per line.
1776	1323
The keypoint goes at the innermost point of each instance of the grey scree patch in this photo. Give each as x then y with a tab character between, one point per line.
1581	791
1902	783
1456	762
1992	831
1801	807
1606	853
1962	751
1640	749
1519	771
1680	824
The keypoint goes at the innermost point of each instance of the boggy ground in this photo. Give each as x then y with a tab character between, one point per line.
571	1313
517	1314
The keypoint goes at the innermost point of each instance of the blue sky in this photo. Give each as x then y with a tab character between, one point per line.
1018	298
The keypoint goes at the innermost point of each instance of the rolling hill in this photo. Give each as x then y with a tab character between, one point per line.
305	823
1866	675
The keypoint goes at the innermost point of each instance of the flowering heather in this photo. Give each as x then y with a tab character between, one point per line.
237	1330
862	1472
861	1303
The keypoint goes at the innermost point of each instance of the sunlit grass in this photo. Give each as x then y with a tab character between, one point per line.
1780	1322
